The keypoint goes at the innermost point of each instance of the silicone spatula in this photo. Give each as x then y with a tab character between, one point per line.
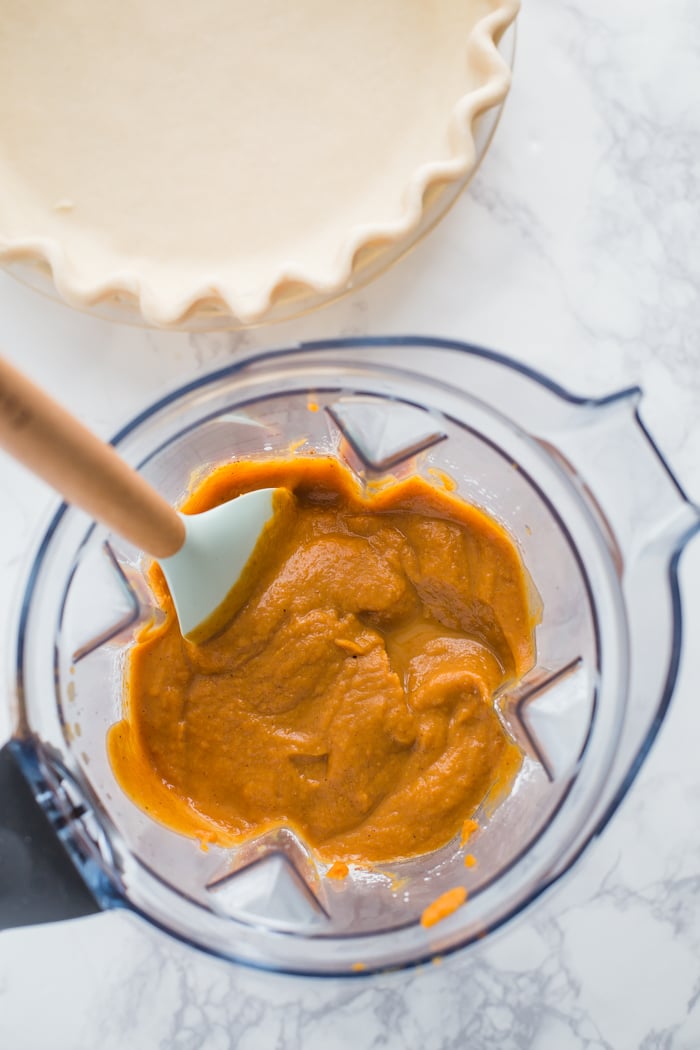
207	558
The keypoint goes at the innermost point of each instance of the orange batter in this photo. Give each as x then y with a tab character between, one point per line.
352	696
442	906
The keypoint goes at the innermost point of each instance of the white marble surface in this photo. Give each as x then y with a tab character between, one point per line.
576	251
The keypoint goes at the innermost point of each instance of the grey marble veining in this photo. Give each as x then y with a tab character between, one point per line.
576	250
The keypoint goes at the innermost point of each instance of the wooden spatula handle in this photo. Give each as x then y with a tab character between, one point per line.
86	471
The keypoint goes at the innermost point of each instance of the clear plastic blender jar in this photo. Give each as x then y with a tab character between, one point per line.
600	522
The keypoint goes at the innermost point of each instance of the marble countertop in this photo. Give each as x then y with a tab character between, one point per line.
575	250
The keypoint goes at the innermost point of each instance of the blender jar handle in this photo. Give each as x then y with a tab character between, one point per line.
38	881
637	497
646	519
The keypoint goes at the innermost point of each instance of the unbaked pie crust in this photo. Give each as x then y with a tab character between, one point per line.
178	154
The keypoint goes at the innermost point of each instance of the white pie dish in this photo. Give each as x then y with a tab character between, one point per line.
48	230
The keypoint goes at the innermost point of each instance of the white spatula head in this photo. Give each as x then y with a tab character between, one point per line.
210	560
210	576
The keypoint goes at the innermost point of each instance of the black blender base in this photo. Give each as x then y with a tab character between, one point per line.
38	881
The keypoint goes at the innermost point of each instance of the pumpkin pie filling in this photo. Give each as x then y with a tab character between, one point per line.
351	697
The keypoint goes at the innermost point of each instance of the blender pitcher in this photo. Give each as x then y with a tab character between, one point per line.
600	522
